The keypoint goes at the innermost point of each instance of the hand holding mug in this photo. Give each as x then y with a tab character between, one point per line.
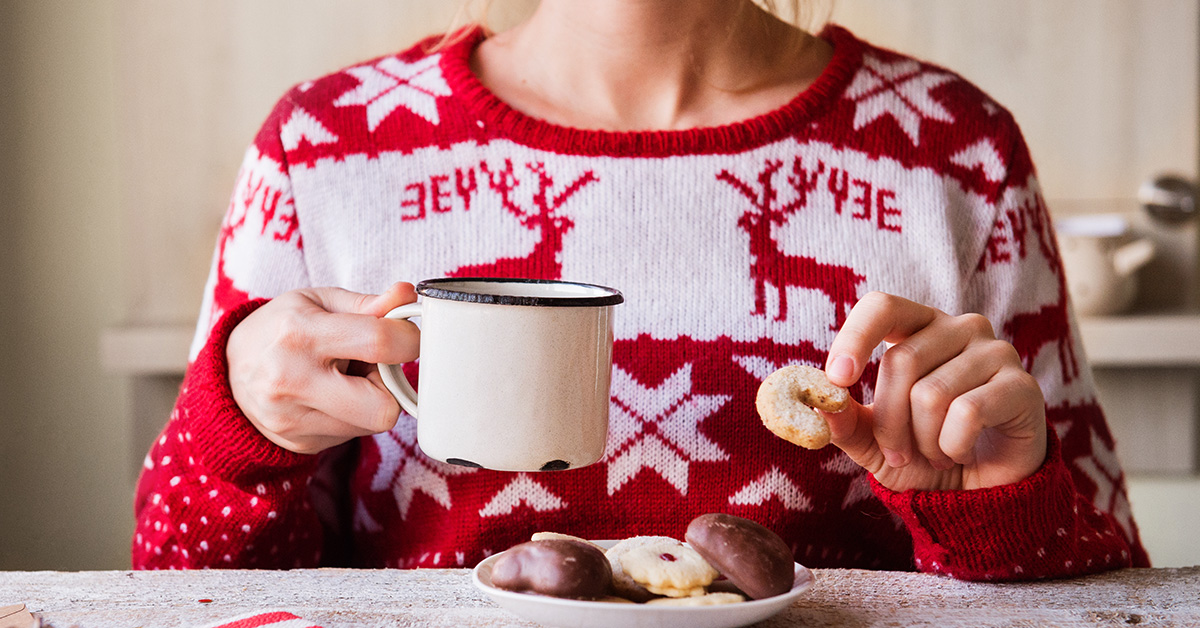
302	366
515	373
954	407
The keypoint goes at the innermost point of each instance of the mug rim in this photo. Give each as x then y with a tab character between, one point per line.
444	288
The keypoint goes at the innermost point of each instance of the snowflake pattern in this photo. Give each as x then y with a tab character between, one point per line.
659	429
982	155
392	83
773	484
404	471
301	125
900	89
522	490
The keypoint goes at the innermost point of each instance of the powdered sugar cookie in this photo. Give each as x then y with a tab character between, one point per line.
708	599
623	584
786	400
668	567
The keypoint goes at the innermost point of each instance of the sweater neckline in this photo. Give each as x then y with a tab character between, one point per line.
499	119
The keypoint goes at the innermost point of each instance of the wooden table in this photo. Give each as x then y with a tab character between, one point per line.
445	597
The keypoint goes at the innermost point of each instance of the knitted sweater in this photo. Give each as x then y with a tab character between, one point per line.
739	249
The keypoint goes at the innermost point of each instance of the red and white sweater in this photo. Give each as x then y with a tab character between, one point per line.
739	249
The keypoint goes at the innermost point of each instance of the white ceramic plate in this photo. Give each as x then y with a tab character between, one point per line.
551	611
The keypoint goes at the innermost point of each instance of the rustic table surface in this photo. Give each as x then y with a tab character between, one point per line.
335	598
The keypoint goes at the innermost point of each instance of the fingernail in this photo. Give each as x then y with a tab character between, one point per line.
893	457
841	368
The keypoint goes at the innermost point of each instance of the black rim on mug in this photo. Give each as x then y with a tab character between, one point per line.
515	291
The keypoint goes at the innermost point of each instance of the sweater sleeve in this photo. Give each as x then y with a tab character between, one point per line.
213	491
1072	516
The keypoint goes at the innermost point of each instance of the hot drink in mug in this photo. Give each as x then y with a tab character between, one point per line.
514	373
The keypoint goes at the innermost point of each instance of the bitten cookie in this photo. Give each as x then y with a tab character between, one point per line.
669	568
751	556
786	400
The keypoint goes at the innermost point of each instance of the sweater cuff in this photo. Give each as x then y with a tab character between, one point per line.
991	533
227	444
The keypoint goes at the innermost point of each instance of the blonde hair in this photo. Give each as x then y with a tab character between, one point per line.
809	15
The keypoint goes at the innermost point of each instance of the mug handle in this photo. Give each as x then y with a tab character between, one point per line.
393	377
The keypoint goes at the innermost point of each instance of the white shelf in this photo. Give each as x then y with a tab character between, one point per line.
1155	340
146	349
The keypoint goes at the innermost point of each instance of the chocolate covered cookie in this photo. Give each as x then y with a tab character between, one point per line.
752	557
556	567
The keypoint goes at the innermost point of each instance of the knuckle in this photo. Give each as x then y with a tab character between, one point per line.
877	301
901	359
976	324
930	394
968	410
378	341
1002	352
1028	386
293	331
276	381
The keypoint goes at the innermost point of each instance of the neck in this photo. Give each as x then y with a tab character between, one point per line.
648	64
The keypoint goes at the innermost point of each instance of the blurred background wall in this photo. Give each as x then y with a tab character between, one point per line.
64	440
122	124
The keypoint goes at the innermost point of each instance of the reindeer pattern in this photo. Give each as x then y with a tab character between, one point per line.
769	264
739	225
1049	325
541	215
753	219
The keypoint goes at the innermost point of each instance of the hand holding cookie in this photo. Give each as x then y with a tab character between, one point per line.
954	407
788	401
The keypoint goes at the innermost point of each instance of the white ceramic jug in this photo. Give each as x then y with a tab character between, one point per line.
1101	261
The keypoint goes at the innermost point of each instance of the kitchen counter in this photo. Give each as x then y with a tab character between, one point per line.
446	597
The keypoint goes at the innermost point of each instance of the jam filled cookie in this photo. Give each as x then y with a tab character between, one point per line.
555	567
668	567
786	400
623	584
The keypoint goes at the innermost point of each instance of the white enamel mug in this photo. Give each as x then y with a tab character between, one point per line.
514	373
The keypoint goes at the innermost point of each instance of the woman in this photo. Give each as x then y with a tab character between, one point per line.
761	195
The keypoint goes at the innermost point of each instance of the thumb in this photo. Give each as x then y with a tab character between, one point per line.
852	431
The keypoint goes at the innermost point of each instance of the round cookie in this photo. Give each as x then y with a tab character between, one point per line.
668	567
555	567
752	557
786	399
623	584
708	599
